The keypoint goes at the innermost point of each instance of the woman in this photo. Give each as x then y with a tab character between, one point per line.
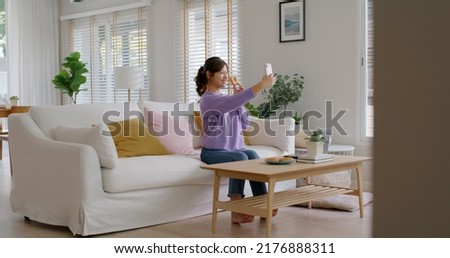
224	118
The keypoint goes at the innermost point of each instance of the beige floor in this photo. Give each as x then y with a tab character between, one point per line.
290	222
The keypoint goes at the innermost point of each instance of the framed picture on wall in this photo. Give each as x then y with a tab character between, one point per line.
292	21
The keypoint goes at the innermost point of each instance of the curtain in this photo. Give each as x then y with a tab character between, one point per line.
32	52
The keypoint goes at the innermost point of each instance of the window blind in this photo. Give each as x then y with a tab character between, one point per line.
105	41
207	28
369	69
370	49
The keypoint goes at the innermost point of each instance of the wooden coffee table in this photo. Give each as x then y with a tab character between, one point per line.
259	170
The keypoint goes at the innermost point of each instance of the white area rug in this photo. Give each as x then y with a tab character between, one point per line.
341	202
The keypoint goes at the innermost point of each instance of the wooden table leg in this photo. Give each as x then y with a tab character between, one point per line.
215	200
270	199
308	182
1	142
360	190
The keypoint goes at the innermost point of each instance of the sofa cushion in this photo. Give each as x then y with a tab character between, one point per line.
81	115
174	135
131	138
97	136
156	171
167	170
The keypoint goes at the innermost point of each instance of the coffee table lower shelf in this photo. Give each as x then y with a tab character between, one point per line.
257	205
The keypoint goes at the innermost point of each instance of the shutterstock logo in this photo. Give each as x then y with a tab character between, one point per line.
181	121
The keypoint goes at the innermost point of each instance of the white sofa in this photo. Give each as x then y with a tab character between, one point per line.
63	183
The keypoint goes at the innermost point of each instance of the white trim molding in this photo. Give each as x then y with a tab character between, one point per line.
106	10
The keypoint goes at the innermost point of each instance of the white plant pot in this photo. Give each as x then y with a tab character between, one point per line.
14	102
314	148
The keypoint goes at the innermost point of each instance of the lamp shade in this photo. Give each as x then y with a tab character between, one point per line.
128	77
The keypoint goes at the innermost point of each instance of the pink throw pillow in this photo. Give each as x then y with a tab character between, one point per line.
176	140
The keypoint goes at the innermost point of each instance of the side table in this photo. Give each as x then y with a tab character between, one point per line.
337	149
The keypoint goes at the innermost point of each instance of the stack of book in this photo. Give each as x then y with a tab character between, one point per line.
315	159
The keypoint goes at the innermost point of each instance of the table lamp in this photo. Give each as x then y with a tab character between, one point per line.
128	77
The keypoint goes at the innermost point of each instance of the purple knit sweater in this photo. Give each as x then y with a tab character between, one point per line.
224	118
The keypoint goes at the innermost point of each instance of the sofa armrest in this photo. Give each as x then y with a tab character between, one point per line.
50	178
277	133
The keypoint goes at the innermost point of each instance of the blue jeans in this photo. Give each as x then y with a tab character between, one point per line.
236	186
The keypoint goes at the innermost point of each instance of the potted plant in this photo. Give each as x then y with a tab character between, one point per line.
298	118
70	78
14	100
315	142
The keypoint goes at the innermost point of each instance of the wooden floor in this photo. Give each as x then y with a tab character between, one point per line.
291	222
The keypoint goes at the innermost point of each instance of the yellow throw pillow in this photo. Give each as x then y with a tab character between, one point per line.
198	121
246	140
132	139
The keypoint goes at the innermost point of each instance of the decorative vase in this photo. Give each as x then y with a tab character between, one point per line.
300	135
14	102
314	148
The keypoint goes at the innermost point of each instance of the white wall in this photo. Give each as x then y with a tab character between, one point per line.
328	58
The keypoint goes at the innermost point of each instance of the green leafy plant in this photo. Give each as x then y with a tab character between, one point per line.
264	110
251	108
70	78
297	117
317	136
285	90
14	98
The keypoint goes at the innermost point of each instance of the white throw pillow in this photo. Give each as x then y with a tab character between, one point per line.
341	202
272	132
102	143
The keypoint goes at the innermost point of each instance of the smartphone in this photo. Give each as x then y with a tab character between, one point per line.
268	68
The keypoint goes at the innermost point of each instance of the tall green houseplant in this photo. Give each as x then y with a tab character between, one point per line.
70	78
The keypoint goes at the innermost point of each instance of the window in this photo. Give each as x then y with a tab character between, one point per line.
209	28
368	69
107	40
